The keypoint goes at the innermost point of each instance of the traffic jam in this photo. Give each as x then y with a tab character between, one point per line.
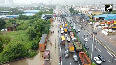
72	51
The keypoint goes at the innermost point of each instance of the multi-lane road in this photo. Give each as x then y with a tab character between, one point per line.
92	43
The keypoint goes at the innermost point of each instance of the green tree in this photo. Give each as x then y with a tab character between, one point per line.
2	23
71	10
23	17
34	46
15	11
13	21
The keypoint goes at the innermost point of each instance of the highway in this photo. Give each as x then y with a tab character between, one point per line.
100	49
67	60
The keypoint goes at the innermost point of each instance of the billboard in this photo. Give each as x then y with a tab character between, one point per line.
109	7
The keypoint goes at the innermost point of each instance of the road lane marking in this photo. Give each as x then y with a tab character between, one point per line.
92	47
91	55
61	62
99	50
108	61
109	53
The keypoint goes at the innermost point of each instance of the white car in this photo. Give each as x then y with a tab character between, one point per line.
68	39
65	35
66	53
79	30
75	57
73	38
97	60
62	31
86	40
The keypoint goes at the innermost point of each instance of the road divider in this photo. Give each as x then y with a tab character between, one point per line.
102	44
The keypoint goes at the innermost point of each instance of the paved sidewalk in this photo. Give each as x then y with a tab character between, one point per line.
111	43
54	40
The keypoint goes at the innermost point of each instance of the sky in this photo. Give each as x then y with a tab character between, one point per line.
66	1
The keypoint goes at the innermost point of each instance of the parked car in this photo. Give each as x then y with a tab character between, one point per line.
66	53
95	33
86	46
62	32
101	58
79	30
75	57
68	39
86	39
97	60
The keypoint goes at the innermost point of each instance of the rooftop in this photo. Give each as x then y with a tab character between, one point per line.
43	39
31	11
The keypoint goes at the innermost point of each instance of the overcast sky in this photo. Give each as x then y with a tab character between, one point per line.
66	1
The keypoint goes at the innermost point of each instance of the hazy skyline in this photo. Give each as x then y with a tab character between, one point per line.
66	1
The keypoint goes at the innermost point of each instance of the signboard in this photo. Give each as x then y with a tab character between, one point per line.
109	7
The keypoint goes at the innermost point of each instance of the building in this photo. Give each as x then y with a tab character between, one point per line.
4	12
43	42
46	16
105	17
30	12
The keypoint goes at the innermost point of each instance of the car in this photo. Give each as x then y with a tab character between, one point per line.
95	33
62	32
68	39
66	53
101	58
73	38
86	40
75	57
86	46
97	60
79	30
65	35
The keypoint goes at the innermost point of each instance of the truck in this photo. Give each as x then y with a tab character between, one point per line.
71	47
78	45
65	25
60	26
62	31
68	39
71	34
84	58
65	30
47	54
62	39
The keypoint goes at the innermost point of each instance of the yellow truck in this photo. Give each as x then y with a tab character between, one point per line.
60	26
65	30
62	39
71	47
65	25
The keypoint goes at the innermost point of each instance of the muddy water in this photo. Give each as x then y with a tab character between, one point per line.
37	60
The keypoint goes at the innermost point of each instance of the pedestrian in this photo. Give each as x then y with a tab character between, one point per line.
42	55
84	35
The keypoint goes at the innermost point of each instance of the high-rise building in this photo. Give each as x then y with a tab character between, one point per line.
2	1
8	1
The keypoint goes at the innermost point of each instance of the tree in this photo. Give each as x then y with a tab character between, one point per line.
71	10
34	46
2	23
13	21
15	11
23	17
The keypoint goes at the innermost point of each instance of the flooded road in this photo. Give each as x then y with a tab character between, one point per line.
37	60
